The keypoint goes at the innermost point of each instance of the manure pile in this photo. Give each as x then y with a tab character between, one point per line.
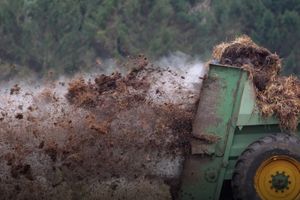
99	137
275	95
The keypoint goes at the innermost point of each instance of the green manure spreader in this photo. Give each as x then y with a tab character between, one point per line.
233	142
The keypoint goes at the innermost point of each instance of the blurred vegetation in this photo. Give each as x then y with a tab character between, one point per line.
64	36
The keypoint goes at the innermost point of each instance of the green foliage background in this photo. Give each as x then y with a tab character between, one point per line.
67	35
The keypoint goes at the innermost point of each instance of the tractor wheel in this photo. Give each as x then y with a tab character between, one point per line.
269	169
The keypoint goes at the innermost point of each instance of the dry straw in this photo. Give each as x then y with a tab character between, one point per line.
275	95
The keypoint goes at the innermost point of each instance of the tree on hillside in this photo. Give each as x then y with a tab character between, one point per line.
68	35
44	34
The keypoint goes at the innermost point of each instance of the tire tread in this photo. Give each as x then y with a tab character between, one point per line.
243	161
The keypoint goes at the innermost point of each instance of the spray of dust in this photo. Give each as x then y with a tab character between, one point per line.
98	136
181	81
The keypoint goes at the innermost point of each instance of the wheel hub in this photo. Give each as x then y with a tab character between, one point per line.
279	181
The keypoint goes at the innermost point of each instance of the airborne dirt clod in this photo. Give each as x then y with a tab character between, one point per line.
275	95
108	137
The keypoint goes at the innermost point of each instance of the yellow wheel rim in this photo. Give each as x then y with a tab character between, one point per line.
278	178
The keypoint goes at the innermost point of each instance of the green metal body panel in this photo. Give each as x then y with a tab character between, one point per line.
227	121
249	114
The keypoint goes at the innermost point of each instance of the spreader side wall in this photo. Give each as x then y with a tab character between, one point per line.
213	132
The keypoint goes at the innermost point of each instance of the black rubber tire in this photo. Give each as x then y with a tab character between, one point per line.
249	161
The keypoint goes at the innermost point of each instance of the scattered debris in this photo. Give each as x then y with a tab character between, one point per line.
109	133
